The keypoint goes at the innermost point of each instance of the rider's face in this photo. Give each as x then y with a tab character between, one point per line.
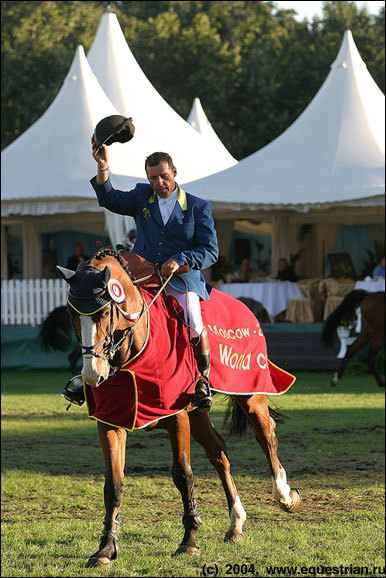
162	179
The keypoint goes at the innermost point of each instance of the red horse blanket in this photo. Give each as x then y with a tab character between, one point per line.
159	381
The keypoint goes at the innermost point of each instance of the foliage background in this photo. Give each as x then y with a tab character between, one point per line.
254	67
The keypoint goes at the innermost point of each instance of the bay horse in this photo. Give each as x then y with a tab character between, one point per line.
372	307
107	337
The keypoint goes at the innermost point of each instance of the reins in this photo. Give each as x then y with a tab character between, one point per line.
110	348
167	299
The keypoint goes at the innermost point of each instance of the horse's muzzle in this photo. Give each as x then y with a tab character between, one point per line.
93	378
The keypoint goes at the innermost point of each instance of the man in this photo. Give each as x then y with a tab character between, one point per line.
285	271
379	270
174	228
243	274
79	257
132	236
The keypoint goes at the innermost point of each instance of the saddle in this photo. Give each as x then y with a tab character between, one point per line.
142	272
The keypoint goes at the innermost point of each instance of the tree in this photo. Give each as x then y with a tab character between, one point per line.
254	67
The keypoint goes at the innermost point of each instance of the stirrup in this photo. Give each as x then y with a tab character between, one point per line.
73	392
202	397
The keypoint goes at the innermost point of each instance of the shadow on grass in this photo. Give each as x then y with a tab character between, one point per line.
326	440
330	435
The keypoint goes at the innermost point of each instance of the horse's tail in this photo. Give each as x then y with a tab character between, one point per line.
344	311
56	330
237	421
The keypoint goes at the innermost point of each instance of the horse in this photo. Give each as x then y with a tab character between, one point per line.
57	332
372	308
110	335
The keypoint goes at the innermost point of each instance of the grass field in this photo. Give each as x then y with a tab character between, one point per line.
332	448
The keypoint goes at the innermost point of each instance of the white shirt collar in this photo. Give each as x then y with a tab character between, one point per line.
167	205
172	197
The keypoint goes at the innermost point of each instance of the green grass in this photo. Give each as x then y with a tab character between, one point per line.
52	486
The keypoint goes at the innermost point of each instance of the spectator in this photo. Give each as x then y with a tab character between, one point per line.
243	274
78	257
379	270
285	271
132	236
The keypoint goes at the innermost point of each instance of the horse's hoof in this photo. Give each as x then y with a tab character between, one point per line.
189	550
96	561
295	504
231	538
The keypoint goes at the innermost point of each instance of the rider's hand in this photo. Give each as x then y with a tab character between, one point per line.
170	266
102	156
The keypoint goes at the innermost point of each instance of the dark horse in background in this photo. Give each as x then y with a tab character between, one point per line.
372	307
57	332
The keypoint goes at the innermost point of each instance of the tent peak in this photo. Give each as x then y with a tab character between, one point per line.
108	9
348	55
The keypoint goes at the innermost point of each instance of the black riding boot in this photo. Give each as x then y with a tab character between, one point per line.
73	391
202	397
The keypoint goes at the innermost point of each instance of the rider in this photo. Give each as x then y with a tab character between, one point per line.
174	228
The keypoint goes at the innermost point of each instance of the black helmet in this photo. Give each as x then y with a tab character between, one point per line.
115	128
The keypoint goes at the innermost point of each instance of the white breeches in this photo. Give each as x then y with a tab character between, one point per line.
194	309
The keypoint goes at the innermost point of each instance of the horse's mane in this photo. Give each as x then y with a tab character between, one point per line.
136	267
110	252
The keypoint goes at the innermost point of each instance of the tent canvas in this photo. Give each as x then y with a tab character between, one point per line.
58	143
327	169
333	153
161	128
198	120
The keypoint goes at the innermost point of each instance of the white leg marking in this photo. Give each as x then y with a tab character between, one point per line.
280	488
238	516
335	379
88	331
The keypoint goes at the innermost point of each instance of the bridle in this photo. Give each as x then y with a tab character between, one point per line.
109	347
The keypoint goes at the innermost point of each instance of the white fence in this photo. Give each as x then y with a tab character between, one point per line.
29	301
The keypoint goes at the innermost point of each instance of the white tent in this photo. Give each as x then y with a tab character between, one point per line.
159	126
46	171
198	120
52	159
329	164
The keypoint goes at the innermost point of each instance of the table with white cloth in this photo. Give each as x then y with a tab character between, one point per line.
371	285
273	295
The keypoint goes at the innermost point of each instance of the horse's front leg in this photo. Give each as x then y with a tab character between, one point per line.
256	409
351	351
179	434
113	442
214	445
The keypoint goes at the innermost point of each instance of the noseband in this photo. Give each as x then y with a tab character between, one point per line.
110	348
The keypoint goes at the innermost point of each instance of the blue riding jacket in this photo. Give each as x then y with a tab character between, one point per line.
189	236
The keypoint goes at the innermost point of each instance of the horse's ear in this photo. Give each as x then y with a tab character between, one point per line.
106	276
66	274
